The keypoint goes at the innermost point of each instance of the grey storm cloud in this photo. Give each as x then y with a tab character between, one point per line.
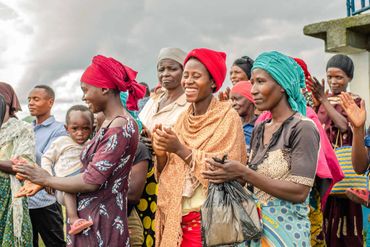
67	34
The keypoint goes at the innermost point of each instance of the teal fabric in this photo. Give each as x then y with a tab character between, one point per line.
124	97
288	74
285	224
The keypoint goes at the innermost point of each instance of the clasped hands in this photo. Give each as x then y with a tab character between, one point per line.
165	140
230	170
31	174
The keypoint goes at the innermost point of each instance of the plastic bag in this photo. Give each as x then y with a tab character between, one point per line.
229	215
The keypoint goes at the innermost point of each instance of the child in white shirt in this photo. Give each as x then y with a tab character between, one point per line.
62	159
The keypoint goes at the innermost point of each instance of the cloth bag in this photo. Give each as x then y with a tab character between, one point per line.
351	178
229	215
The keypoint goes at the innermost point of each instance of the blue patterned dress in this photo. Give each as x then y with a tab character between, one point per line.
291	155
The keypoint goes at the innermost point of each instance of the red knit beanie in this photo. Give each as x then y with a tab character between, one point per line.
214	61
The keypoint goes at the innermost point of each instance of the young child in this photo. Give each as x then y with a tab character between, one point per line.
62	159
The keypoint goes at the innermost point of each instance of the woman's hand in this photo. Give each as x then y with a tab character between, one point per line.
158	149
166	140
28	189
18	161
50	190
33	173
224	96
317	88
220	173
356	115
146	138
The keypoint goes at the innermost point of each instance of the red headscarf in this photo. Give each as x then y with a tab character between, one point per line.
214	61
109	73
244	88
11	98
303	65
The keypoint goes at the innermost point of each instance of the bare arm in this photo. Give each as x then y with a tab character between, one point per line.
137	182
160	162
303	160
285	190
233	170
74	184
37	175
6	166
357	117
360	160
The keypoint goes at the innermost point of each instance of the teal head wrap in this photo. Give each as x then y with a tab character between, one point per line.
124	96
288	74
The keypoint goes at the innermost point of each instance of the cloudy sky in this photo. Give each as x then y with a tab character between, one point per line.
51	42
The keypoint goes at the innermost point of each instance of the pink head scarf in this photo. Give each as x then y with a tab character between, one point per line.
243	88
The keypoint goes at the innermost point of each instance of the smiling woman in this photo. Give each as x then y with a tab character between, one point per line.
208	128
339	72
283	157
107	159
241	70
243	102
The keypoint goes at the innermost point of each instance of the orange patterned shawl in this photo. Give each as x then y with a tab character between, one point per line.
217	132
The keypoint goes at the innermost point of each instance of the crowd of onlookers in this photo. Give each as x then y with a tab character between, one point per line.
133	166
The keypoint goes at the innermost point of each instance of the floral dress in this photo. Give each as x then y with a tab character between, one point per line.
107	161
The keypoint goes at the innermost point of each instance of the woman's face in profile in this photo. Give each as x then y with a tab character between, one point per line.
266	91
93	97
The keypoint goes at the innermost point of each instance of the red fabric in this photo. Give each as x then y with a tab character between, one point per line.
243	88
109	73
191	230
214	61
303	65
328	165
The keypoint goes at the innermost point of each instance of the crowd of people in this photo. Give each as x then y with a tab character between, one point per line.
133	166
